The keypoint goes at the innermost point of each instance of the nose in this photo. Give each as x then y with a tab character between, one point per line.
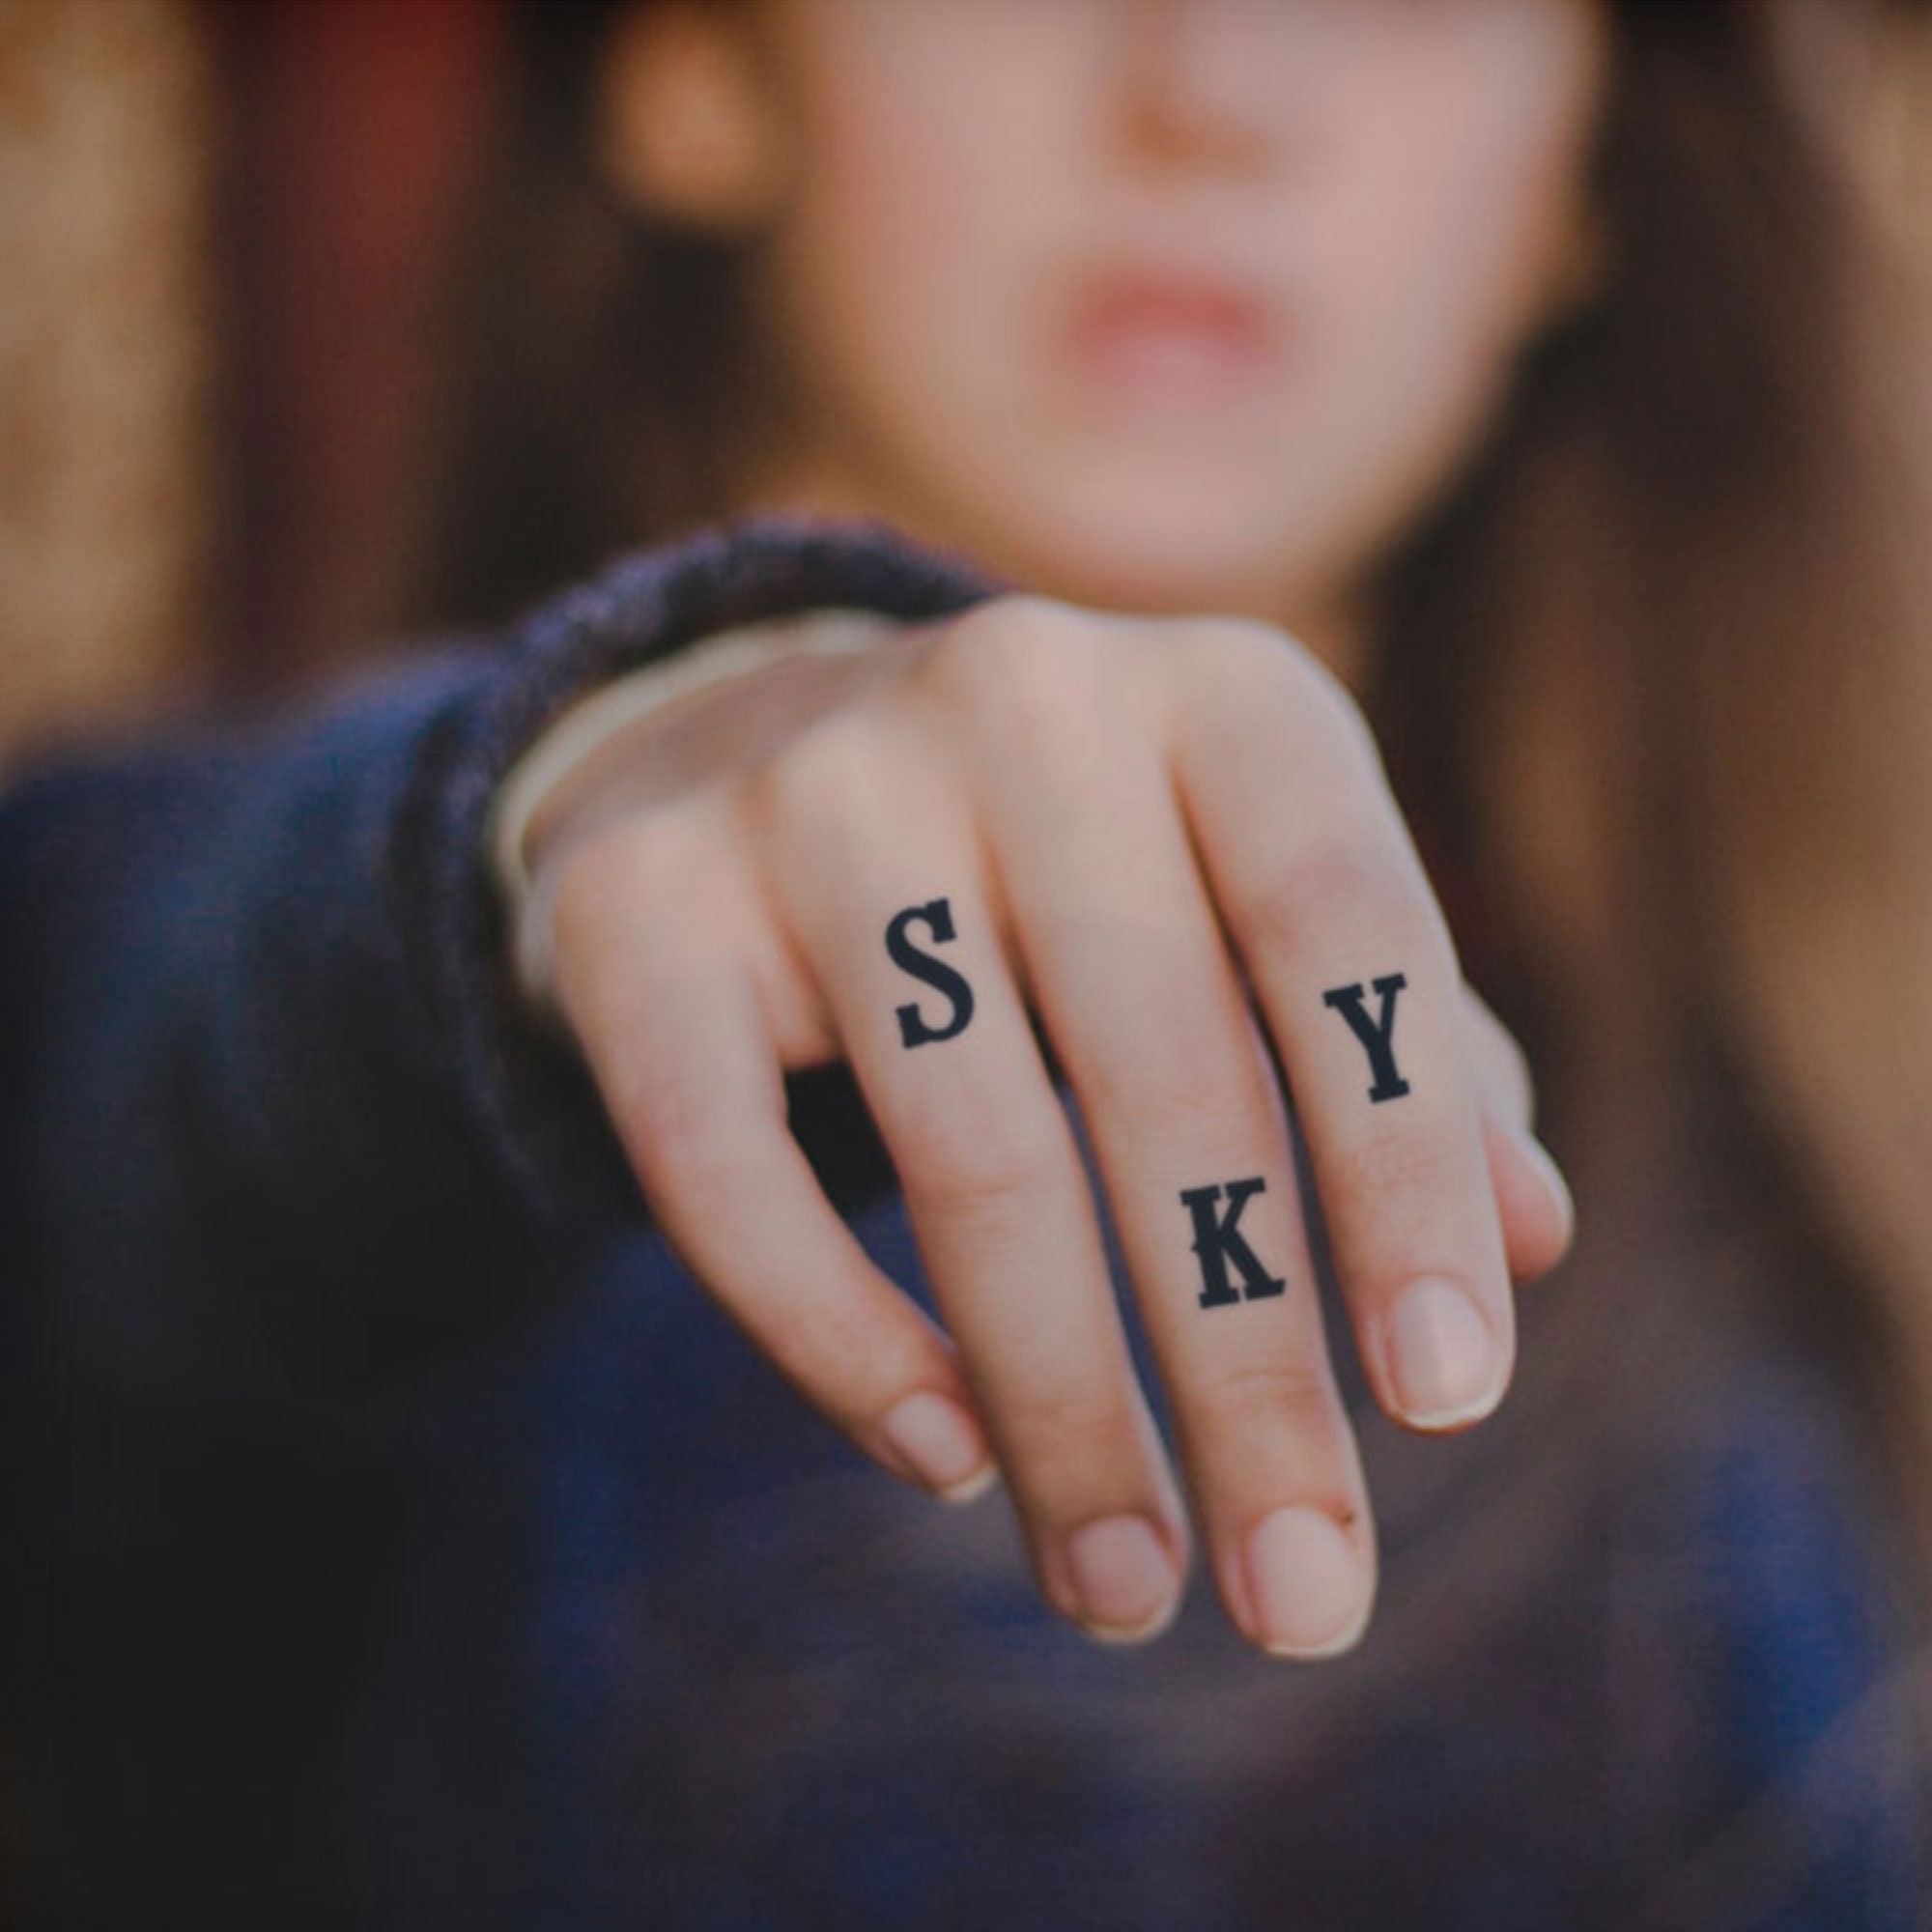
1209	84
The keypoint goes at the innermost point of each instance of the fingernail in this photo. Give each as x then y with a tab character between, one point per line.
1441	1357
943	1443
1309	1585
1551	1176
1124	1576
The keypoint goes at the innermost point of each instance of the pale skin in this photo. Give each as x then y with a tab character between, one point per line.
1162	839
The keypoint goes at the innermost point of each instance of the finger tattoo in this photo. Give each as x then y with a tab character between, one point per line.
936	916
1218	1241
1377	1036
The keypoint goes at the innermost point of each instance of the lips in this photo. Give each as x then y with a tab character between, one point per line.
1165	336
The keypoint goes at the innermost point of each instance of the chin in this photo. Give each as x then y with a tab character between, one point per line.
1159	556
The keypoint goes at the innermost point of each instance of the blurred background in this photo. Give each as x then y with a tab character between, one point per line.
232	241
225	237
240	243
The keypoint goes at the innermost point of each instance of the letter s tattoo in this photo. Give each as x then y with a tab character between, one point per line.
936	915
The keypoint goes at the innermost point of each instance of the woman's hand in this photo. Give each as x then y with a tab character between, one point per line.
1170	844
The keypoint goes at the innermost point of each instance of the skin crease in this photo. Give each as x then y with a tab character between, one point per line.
1397	185
1151	305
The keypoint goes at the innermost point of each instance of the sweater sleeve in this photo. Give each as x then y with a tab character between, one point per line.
272	1108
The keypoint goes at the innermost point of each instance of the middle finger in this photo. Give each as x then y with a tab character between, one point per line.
902	935
1143	1002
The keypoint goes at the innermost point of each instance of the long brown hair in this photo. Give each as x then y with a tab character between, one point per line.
1663	668
602	390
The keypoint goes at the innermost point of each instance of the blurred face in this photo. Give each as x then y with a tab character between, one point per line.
1166	303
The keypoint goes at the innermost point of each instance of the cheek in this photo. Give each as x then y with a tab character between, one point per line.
931	140
889	265
1452	247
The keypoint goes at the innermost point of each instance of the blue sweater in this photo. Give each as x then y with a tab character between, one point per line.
400	1538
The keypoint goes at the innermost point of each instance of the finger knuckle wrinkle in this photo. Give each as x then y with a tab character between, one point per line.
1499	1049
851	1348
1170	1093
1391	1165
1263	1395
970	1170
1073	1422
1333	887
689	1152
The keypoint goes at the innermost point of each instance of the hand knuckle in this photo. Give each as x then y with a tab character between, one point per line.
1267	680
1332	708
1514	1074
1499	1054
1241	651
579	901
1025	669
608	895
833	775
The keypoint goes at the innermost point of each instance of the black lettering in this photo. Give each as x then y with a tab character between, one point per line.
1378	1035
1217	1241
936	915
